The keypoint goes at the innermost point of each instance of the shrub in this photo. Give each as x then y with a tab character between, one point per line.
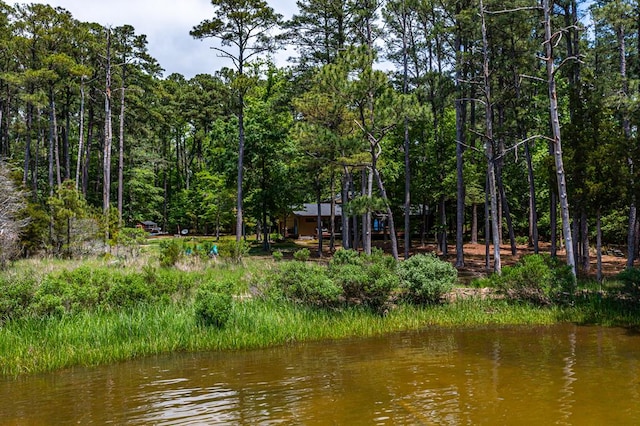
344	257
213	304
131	239
233	250
127	290
367	280
170	253
536	278
16	295
53	297
302	255
277	255
630	278
425	278
307	283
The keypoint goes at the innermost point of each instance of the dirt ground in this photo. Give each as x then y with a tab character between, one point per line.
474	259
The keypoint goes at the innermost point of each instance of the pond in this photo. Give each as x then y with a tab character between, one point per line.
563	374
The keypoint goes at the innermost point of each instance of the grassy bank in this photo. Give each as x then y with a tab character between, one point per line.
102	337
60	314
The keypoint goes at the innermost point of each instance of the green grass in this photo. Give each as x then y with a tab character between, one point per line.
104	333
92	338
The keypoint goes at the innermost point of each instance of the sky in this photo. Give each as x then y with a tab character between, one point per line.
166	23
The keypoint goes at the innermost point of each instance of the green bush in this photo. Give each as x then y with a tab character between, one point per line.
213	304
307	283
170	253
630	278
536	278
16	296
368	280
233	250
302	255
277	255
54	297
127	290
346	257
352	278
425	278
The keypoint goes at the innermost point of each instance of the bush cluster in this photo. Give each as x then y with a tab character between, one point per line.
425	278
85	288
536	278
213	304
630	279
306	283
373	281
174	250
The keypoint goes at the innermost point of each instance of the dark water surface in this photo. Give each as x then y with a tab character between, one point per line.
518	375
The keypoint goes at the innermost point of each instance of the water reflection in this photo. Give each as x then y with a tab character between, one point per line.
536	375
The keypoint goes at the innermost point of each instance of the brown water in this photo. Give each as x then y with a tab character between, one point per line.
544	375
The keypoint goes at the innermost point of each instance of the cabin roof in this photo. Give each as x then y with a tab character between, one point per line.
311	210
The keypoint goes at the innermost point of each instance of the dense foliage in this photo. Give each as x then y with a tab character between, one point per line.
397	106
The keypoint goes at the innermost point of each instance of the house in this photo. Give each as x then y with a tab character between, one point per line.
149	226
303	223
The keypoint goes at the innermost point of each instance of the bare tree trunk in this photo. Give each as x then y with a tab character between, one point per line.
497	263
461	110
319	216
423	227
332	220
346	228
80	133
27	148
442	240
121	145
367	188
392	227
106	188
487	227
599	246
56	145
507	212
239	203
555	125
533	214
584	232
474	224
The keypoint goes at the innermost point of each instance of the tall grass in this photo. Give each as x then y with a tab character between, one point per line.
103	332
107	336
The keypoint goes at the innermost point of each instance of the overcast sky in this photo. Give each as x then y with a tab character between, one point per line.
166	24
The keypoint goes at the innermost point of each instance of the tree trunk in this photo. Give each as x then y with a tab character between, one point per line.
474	223
533	214
497	263
599	245
80	134
346	228
367	188
392	227
27	147
487	227
584	238
121	145
319	216
442	239
106	188
239	212
332	219
507	212
555	125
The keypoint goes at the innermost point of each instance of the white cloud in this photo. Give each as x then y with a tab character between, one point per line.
166	23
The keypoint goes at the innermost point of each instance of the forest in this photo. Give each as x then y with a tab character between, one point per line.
450	121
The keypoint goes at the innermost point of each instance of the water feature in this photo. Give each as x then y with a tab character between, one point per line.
562	374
